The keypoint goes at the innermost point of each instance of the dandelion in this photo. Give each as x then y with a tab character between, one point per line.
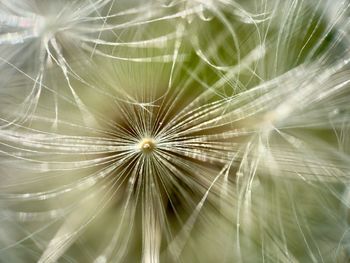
192	131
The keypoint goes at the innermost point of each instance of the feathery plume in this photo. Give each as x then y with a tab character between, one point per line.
174	131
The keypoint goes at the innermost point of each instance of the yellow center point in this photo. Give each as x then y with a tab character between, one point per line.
147	145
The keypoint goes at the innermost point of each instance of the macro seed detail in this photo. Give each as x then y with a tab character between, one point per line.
147	145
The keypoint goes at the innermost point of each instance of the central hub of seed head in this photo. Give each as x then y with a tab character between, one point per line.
147	145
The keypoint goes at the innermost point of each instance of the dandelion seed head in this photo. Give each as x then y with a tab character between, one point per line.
183	129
